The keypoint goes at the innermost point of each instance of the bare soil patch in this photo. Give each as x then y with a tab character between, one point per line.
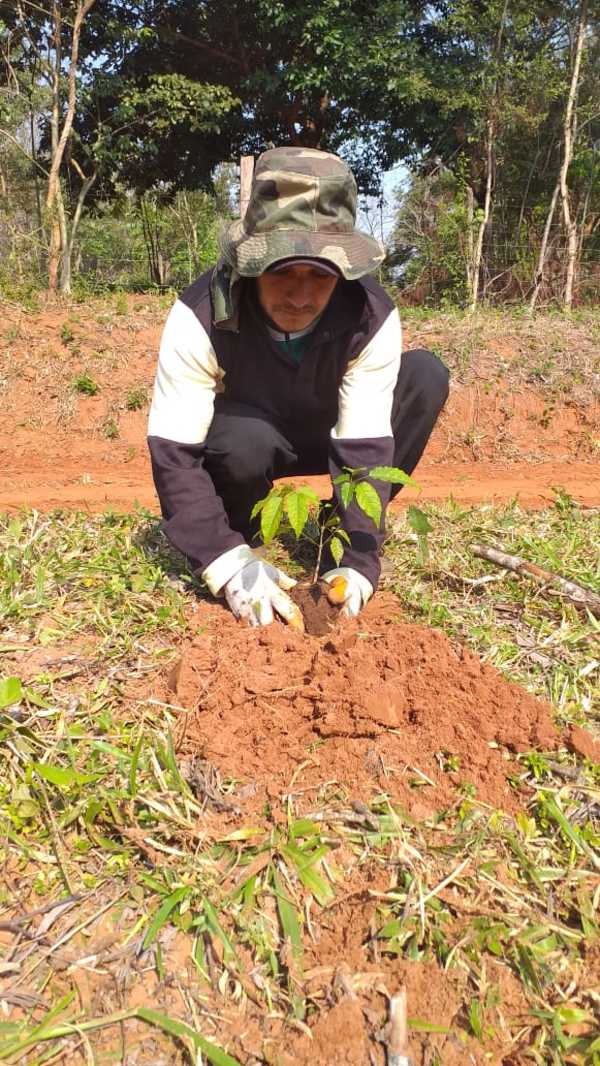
523	413
377	703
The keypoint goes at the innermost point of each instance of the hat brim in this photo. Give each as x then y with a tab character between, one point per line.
354	254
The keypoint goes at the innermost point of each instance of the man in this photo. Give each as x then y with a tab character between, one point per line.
285	359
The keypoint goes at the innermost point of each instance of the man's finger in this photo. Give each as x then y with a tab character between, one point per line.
337	590
352	604
263	611
288	610
284	581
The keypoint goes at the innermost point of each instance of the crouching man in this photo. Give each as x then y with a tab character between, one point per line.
285	359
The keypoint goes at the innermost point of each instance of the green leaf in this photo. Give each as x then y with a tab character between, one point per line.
393	475
62	776
368	500
311	495
418	521
337	550
347	491
270	517
135	758
296	507
216	928
258	506
292	933
163	913
303	865
213	1053
421	1026
475	1018
11	691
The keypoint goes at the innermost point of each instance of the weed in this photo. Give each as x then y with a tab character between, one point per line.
110	428
86	385
66	334
136	399
121	305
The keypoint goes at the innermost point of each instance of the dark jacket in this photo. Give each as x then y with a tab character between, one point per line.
342	392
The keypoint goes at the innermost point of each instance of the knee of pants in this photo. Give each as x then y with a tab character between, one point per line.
243	449
427	375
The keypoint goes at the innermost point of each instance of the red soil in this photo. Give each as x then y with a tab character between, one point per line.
378	704
60	448
375	706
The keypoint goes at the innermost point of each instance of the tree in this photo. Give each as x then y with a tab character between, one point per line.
44	43
561	188
323	73
48	38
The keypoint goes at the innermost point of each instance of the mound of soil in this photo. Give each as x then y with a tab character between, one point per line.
320	616
376	704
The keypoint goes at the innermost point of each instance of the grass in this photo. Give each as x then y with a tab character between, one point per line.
550	352
528	632
128	855
86	385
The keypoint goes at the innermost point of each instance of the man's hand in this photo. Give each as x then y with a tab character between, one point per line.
348	587
256	593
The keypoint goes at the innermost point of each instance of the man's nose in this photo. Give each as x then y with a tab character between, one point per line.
300	293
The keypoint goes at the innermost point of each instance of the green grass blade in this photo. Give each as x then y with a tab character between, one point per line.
213	1053
163	913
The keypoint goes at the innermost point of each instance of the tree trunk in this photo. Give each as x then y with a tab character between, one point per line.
67	257
569	138
489	159
561	187
541	263
470	257
52	185
487	206
59	137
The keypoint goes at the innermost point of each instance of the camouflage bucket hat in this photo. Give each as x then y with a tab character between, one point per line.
302	203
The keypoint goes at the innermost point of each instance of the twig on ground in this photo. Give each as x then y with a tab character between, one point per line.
577	594
397	1042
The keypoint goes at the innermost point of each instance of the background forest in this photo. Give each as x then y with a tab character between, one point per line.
122	125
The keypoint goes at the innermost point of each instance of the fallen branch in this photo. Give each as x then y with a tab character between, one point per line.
577	594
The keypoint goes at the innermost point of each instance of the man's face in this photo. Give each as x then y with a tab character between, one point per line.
295	295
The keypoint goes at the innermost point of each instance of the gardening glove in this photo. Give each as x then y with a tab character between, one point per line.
257	590
348	587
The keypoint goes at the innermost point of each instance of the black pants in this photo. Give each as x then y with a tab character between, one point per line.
245	452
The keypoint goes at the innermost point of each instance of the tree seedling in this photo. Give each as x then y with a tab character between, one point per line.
287	508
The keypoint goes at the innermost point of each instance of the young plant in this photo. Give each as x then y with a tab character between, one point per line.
136	399
86	385
289	508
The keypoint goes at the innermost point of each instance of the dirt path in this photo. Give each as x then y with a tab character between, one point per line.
75	383
98	486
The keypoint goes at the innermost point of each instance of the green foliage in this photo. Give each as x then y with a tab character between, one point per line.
86	385
432	238
136	399
11	691
287	508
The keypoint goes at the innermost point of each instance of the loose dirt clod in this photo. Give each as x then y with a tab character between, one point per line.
376	704
320	616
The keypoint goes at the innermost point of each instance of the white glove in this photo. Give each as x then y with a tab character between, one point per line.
256	591
348	587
